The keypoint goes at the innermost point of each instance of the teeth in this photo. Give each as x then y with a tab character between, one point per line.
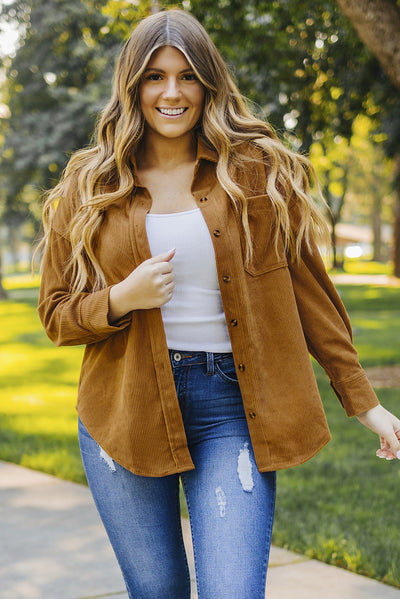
171	111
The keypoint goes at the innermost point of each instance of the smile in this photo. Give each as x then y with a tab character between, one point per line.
172	111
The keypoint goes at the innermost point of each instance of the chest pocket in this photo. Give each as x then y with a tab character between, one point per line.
266	256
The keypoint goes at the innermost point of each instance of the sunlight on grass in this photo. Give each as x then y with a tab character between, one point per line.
367	267
38	384
27	281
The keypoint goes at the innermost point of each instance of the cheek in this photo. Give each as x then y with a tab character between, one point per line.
198	98
145	97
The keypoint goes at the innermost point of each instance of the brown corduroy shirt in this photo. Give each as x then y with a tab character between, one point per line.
277	312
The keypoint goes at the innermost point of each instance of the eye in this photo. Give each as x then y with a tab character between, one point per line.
190	77
153	77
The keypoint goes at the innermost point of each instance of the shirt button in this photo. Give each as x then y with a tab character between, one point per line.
234	322
203	200
241	367
252	415
217	233
226	278
177	357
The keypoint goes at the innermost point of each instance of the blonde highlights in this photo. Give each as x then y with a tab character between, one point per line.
102	174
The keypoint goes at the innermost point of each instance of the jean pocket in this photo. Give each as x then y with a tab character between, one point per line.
225	369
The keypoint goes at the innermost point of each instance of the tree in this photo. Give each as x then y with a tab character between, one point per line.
356	178
377	22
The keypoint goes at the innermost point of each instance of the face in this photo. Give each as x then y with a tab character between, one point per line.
171	96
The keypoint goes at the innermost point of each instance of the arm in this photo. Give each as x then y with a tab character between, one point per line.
71	319
89	317
328	334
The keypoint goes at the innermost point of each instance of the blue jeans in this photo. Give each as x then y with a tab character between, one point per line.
230	503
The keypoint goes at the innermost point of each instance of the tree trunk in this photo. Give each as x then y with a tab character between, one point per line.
3	293
377	23
155	6
377	228
396	227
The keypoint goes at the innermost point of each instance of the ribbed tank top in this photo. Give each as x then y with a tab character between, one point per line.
193	319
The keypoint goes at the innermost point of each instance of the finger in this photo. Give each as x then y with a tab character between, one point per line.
168	277
394	444
390	446
164	257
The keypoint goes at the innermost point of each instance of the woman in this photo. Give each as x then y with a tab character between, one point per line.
182	253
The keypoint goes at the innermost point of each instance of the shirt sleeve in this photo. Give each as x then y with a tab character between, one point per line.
71	319
328	333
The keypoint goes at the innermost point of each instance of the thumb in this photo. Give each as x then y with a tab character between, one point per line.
164	257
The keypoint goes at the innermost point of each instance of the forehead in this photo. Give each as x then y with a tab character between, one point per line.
168	57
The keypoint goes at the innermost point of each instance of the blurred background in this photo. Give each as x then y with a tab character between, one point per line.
327	80
327	76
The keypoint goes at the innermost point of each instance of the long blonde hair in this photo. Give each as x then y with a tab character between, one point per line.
102	174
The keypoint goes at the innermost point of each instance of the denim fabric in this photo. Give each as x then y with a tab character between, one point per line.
230	503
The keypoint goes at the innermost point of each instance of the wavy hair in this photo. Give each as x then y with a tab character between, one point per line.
102	173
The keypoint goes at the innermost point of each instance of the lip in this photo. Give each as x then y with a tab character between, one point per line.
164	110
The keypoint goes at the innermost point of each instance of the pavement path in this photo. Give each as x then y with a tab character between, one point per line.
53	546
379	280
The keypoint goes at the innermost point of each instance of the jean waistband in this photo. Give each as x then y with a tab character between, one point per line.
189	358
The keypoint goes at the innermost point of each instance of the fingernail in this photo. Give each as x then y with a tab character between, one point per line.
398	455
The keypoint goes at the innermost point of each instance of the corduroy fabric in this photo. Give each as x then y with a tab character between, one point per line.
282	312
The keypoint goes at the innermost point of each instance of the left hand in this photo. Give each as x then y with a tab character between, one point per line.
387	426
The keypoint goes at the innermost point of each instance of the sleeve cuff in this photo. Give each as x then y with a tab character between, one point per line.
95	310
355	394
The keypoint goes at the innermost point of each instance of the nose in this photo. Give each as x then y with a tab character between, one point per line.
172	90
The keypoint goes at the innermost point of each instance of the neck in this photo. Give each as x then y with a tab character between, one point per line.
160	152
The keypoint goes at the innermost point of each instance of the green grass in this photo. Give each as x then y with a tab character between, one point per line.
38	385
340	507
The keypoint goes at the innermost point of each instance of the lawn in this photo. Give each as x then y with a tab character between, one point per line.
341	507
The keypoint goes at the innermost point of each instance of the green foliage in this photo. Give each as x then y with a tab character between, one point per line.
300	62
58	81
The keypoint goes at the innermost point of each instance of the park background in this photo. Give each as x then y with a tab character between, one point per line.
327	76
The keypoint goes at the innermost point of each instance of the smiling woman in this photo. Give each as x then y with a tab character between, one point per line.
181	250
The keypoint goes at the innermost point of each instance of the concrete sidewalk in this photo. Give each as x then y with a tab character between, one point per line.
52	546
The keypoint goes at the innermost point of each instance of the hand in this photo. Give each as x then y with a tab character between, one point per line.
150	285
387	426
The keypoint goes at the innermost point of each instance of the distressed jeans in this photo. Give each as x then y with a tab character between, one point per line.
230	503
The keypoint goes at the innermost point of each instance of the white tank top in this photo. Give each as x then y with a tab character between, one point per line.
193	319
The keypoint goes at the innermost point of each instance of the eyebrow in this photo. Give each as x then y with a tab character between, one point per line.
190	70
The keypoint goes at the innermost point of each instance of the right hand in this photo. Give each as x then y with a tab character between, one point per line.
150	285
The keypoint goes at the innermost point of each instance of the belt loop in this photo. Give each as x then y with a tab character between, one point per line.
210	363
